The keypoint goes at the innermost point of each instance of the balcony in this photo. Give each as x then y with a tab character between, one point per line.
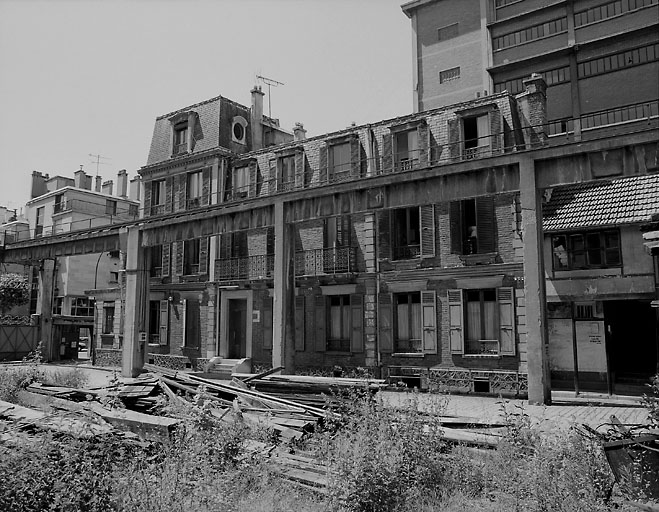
249	268
157	209
339	260
407	252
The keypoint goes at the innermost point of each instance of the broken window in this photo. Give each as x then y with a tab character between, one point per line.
594	249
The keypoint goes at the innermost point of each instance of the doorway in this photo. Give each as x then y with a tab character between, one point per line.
237	328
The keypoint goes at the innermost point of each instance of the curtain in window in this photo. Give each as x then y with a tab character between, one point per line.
335	322
403	322
415	328
489	318
473	321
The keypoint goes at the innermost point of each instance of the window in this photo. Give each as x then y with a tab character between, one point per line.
286	173
57	305
476	131
406	239
82	306
108	318
529	34
238	129
551	76
155	261
192	322
158	197
180	138
482	321
338	256
60	204
594	249
238	183
609	10
618	61
406	150
449	74
114	277
194	189
338	321
110	207
473	226
41	216
407	322
158	321
191	256
447	32
340	162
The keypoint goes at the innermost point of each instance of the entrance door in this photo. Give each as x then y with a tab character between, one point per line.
632	339
237	328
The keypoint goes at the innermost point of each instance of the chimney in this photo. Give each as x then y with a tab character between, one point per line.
257	117
135	189
97	185
299	132
38	184
79	178
122	183
106	188
532	107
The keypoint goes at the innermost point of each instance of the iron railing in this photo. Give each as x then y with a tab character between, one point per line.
251	267
333	260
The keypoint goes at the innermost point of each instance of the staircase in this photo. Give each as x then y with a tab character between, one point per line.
223	368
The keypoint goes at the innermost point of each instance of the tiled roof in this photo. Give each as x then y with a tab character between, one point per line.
602	203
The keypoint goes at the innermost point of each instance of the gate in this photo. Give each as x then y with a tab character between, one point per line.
17	337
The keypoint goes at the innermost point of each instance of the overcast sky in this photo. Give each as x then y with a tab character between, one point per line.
90	77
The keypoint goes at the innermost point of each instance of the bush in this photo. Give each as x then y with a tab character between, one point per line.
651	401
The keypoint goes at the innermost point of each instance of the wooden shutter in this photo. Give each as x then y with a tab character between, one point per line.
422	134
386	321
455	220
454	138
179	257
322	165
427	216
355	157
266	323
169	195
387	153
182	183
356	323
299	323
321	320
429	318
485	224
225	246
496	132
166	261
456	321
384	234
147	198
203	255
506	302
164	322
273	180
299	169
184	322
206	186
254	181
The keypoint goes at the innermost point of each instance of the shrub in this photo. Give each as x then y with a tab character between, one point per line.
14	291
651	401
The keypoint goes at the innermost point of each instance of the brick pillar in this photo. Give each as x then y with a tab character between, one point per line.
532	105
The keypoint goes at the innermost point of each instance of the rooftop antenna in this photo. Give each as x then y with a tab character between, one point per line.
269	81
98	161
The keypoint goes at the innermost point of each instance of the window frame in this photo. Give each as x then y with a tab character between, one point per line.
343	343
481	339
191	257
108	328
180	138
586	251
82	304
286	162
194	186
407	250
398	348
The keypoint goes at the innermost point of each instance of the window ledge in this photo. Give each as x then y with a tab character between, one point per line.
486	258
408	354
482	356
338	353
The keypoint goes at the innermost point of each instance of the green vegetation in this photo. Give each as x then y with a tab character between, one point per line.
14	291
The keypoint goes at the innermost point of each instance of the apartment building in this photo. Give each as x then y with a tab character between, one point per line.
584	49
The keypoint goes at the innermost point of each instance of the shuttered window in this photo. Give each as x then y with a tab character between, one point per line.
473	226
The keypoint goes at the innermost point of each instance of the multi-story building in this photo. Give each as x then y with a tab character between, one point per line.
584	49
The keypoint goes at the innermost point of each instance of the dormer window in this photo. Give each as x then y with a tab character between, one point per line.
181	138
407	150
239	130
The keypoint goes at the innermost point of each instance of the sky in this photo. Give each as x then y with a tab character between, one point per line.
89	77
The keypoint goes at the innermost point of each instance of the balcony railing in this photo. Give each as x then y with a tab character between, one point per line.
193	202
179	149
332	260
407	252
248	268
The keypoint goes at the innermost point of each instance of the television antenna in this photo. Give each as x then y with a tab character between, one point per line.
269	82
98	161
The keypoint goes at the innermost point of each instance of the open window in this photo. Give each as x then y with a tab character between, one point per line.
237	186
407	233
406	150
194	187
339	322
158	322
158	196
339	162
473	226
592	249
180	138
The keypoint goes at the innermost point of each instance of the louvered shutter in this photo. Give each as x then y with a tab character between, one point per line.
356	323
164	323
386	321
299	169
454	138
456	321
299	323
422	134
506	302
355	158
485	225
182	182
203	255
179	257
427	216
225	246
387	153
254	188
496	132
455	220
206	186
169	195
321	320
429	318
274	179
266	323
322	165
147	199
166	261
384	234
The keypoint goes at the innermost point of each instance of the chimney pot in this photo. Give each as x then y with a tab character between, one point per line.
106	188
122	183
97	185
299	133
